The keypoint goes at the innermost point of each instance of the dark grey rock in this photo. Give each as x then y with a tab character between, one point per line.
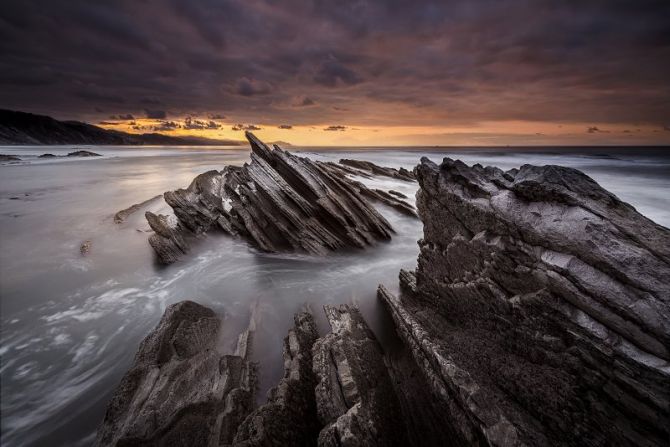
363	165
85	248
354	394
289	417
180	391
47	156
83	154
5	157
278	202
122	215
540	309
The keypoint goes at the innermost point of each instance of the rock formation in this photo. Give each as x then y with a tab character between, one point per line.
278	202
289	418
539	312
355	398
180	390
5	157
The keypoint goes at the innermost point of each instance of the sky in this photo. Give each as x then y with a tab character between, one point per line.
347	72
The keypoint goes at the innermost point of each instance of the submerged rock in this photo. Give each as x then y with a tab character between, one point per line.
122	215
354	395
47	156
278	202
5	157
83	154
180	391
540	309
401	174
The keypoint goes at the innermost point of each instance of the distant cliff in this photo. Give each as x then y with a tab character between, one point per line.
27	128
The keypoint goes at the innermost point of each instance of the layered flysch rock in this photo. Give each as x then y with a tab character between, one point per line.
363	165
278	202
289	417
539	313
180	391
354	394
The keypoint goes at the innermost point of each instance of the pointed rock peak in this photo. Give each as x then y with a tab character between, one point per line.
258	147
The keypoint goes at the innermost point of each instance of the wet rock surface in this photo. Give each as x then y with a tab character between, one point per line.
279	202
354	394
289	417
122	215
180	391
539	311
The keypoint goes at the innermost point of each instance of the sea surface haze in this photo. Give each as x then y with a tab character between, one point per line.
71	324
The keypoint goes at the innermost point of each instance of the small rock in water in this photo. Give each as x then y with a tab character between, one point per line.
83	154
85	247
47	156
5	157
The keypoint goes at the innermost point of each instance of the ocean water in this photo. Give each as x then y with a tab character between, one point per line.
70	324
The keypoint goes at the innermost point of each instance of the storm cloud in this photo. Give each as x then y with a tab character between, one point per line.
310	62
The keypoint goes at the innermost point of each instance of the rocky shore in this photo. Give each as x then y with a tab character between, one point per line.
539	314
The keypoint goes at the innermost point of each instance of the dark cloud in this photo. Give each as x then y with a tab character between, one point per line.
167	126
127	116
302	101
285	126
332	73
395	62
595	129
196	124
217	116
245	127
336	128
155	114
251	87
107	123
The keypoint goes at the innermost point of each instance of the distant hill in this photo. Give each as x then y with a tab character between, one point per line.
27	128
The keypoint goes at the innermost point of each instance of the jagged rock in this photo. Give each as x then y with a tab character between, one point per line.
83	154
539	313
354	395
402	173
180	391
170	238
278	202
122	215
5	157
289	417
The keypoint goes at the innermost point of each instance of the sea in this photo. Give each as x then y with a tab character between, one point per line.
70	324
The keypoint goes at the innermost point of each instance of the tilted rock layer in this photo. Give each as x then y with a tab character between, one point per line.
278	202
540	309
